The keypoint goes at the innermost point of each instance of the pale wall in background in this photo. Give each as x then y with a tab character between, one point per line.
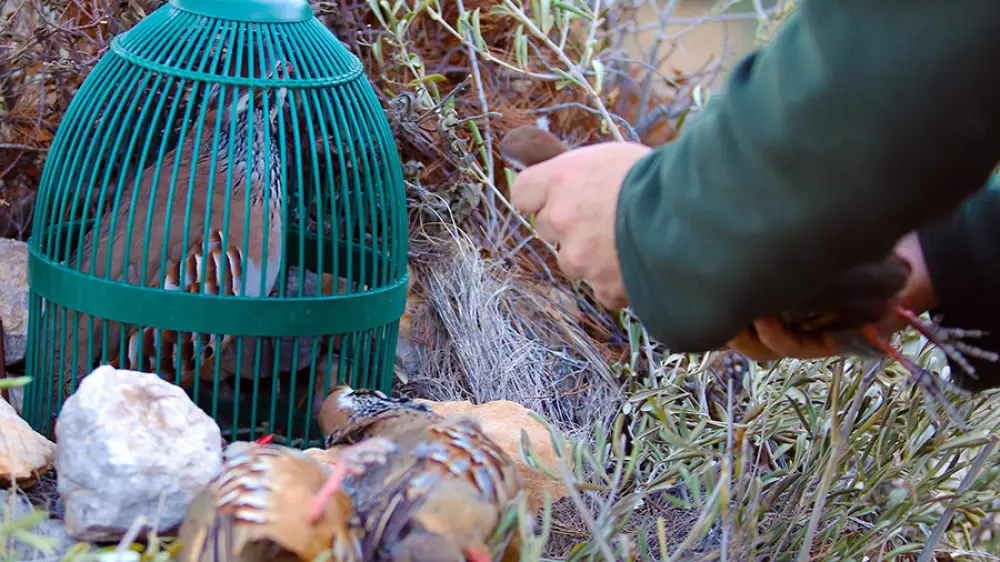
700	45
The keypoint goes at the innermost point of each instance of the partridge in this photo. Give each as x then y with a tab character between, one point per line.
442	494
215	257
255	510
847	308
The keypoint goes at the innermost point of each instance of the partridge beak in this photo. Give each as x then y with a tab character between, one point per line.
265	440
478	553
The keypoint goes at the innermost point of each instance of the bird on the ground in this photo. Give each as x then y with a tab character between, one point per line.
848	308
257	508
443	493
220	250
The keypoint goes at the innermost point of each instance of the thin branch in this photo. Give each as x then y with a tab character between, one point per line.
29	148
573	69
632	135
487	136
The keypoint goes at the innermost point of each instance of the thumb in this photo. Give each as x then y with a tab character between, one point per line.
531	188
529	147
748	344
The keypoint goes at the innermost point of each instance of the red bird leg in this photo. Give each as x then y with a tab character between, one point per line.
330	487
477	554
918	375
876	338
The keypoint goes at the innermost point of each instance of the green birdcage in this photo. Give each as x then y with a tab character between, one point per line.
223	205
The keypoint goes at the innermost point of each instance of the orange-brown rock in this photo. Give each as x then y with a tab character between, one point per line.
24	454
503	420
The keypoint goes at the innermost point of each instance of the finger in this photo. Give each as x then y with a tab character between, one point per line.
609	287
530	189
545	227
747	344
570	263
773	335
611	297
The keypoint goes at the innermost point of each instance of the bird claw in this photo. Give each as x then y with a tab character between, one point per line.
949	341
920	377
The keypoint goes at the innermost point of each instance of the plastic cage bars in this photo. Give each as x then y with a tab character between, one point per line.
220	155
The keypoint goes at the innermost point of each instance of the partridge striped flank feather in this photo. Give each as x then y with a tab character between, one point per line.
255	510
443	493
219	274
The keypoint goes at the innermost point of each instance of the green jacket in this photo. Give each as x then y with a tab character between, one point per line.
859	122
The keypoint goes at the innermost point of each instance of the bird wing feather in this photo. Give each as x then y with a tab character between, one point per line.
256	507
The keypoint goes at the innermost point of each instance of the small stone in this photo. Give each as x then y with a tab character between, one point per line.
14	298
16	395
15	504
124	439
502	421
24	453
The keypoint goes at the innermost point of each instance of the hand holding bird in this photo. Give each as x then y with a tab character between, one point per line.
852	314
578	216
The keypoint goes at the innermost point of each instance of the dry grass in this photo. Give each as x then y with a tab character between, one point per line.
500	338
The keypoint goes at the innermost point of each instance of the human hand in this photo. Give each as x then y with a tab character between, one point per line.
574	197
769	340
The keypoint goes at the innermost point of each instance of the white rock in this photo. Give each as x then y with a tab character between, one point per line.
24	453
125	438
14	298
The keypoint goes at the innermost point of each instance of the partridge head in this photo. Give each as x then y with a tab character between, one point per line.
347	415
255	510
526	146
443	491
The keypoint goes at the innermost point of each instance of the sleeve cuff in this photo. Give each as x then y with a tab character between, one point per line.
681	322
964	288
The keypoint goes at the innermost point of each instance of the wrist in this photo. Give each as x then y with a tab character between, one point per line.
918	294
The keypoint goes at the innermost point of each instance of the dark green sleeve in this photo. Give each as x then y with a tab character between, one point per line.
963	257
860	121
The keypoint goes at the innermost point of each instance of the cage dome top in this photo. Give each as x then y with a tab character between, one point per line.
259	11
234	42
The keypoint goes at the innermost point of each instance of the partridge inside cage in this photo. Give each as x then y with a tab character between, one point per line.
223	205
